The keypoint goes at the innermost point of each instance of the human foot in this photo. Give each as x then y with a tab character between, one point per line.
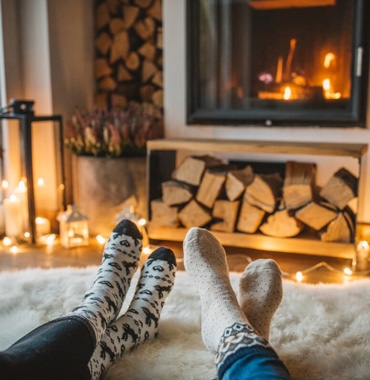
260	294
205	262
140	322
102	303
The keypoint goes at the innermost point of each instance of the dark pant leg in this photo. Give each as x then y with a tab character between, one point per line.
59	349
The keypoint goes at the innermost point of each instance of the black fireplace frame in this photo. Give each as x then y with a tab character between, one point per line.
353	116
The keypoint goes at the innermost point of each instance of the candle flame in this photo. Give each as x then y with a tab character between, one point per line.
40	181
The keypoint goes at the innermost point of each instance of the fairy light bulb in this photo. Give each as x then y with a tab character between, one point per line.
299	276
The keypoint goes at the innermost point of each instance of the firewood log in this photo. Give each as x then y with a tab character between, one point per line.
148	70
145	28
281	224
146	92
107	84
338	230
101	15
191	169
340	189
315	215
250	218
264	191
130	14
120	47
298	184
116	25
102	68
103	43
143	3
123	75
176	193
237	181
157	98
158	79
226	211
132	61
162	214
148	51
155	10
194	215
211	186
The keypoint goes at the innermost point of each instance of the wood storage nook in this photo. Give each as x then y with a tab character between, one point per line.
191	182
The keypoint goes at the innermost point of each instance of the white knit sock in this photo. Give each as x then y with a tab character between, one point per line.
205	262
260	294
102	303
141	320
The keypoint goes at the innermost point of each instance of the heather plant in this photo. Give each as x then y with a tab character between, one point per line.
115	132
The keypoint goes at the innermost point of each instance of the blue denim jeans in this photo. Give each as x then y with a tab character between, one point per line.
253	363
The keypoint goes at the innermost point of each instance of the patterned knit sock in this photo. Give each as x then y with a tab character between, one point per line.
140	322
260	293
205	262
102	303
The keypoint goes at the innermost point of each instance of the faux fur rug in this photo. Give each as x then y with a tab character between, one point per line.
320	331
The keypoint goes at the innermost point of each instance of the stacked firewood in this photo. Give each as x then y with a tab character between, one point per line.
128	45
205	192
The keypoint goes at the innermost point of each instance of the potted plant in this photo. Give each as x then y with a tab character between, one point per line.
109	159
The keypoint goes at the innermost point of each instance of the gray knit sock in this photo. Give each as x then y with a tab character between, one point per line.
205	262
140	322
260	293
102	303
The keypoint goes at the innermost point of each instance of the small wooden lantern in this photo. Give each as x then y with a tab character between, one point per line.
73	228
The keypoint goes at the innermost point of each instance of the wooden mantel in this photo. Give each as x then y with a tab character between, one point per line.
268	147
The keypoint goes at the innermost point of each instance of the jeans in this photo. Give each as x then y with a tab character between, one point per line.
57	350
253	363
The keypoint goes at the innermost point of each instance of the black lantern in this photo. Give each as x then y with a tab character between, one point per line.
27	198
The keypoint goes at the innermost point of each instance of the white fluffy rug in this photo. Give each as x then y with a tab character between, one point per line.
320	331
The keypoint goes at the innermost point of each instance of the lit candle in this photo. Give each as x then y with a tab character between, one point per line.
13	216
21	193
42	226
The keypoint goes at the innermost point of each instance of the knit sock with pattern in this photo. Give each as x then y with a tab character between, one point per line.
260	293
140	322
103	302
205	262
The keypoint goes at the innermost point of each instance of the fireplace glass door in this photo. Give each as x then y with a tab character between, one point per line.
277	62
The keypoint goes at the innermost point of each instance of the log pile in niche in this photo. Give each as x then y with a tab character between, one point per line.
205	192
128	52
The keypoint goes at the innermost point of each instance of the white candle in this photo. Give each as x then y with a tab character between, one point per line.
2	220
13	216
42	226
21	193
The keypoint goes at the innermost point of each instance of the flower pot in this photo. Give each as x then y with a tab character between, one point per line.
101	186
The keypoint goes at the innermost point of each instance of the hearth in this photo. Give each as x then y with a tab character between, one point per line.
277	62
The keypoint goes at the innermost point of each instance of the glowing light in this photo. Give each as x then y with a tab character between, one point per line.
329	58
326	84
40	181
14	249
141	222
4	184
287	93
101	239
299	276
50	239
27	235
347	271
7	241
147	250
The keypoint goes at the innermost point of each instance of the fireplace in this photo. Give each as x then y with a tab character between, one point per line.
277	62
